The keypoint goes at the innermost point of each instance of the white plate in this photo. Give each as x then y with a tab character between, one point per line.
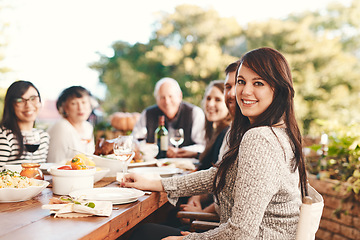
193	160
22	194
114	165
182	163
115	195
162	171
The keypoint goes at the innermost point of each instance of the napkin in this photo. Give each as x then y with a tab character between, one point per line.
72	210
185	164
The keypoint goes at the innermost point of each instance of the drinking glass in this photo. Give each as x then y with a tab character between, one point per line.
141	135
123	150
32	142
176	137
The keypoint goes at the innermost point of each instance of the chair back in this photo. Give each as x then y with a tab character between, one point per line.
310	215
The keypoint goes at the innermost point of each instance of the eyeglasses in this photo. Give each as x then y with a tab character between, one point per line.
20	102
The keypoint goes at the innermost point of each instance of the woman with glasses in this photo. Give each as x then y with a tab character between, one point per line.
21	107
73	132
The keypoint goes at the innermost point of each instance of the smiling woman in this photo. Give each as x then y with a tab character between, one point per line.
73	131
22	104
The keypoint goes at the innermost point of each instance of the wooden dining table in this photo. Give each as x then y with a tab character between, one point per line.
27	220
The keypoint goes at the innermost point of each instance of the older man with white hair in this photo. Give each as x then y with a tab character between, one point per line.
178	114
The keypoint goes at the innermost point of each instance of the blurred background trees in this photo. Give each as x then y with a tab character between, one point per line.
4	25
194	45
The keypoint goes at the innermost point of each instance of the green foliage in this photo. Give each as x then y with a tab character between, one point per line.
343	155
194	45
184	47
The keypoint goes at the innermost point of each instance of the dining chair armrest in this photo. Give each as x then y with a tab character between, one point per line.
198	216
203	226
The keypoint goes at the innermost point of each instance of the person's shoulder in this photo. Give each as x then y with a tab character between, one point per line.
4	131
42	132
196	109
155	106
60	125
262	131
265	132
88	124
189	104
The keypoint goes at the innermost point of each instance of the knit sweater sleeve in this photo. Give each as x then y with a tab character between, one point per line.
188	185
257	181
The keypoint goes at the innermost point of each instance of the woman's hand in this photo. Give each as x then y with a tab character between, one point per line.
181	153
177	237
133	180
191	207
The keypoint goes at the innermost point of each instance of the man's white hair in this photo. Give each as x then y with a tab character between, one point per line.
165	80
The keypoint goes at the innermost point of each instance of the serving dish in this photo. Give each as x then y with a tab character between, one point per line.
156	171
100	173
114	165
115	195
22	194
66	181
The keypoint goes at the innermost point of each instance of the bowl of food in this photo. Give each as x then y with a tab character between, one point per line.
16	188
66	179
110	162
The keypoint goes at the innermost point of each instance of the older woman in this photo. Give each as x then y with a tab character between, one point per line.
73	132
21	107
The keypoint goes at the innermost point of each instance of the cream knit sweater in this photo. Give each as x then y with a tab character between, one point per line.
261	198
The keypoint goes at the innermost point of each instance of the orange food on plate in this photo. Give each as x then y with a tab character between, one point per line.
78	164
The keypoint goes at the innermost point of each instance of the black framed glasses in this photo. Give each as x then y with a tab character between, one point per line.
22	101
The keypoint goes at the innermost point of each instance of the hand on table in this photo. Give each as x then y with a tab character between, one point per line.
133	180
177	237
180	153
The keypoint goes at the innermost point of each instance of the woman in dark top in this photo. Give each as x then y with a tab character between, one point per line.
217	122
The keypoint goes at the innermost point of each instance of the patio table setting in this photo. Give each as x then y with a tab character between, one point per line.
83	204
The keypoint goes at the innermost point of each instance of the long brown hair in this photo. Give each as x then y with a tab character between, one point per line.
271	66
209	130
10	120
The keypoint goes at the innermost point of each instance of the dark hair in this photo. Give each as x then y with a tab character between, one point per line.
232	67
9	120
70	93
209	130
271	66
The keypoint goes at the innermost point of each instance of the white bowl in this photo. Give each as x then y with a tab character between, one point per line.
100	174
66	181
22	194
108	162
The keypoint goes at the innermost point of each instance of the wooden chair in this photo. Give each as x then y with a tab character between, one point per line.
309	221
310	215
200	221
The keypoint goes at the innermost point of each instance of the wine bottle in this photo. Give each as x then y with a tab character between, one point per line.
161	135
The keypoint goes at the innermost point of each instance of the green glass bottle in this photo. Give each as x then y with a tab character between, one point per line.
161	137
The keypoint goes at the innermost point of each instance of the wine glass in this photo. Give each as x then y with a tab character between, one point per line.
141	134
32	142
123	150
177	137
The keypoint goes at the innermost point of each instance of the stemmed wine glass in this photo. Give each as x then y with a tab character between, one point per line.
176	137
32	142
123	150
140	135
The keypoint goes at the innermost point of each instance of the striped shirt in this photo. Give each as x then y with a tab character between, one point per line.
9	148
